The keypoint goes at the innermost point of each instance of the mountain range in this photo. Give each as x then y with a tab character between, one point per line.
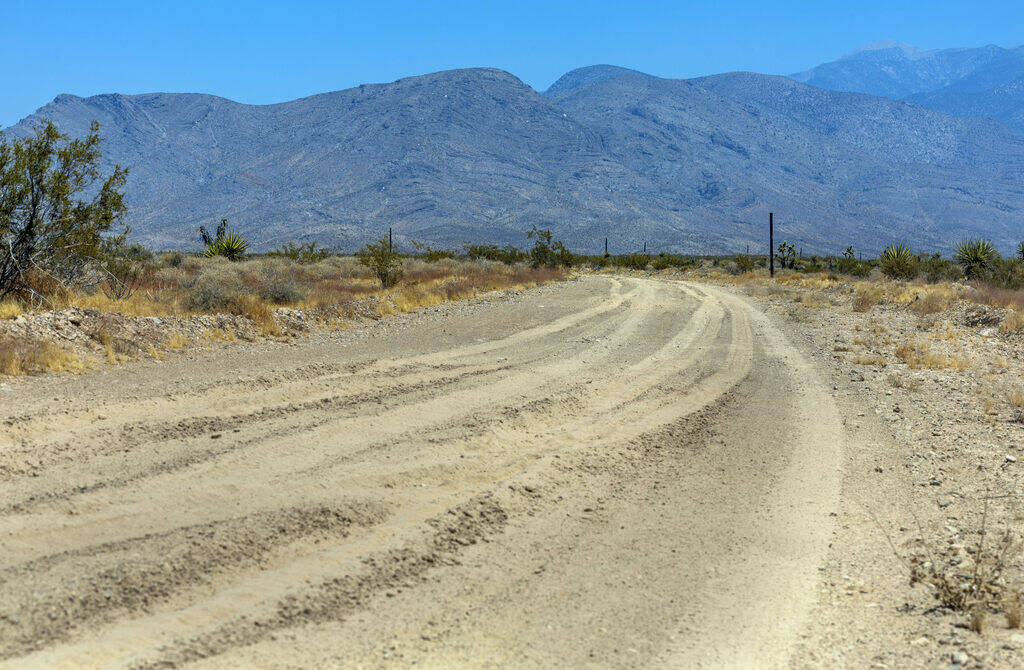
685	165
983	81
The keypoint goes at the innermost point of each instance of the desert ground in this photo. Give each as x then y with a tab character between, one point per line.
611	471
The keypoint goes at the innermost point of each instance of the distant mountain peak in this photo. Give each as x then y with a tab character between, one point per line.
908	50
585	76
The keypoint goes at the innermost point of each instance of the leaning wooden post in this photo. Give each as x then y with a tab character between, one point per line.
390	243
606	247
771	244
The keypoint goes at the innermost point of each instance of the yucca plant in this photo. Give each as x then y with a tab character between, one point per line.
1020	251
976	257
898	262
229	245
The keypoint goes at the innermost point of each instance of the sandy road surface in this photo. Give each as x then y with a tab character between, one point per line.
610	472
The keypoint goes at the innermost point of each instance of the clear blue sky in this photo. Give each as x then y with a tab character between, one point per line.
262	52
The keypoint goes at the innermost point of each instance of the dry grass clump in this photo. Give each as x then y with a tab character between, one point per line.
22	356
997	297
176	341
1015	397
810	299
866	296
969	579
932	300
918	356
870	359
901	382
10	309
1013	322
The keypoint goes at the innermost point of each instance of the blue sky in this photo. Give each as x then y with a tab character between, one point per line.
263	52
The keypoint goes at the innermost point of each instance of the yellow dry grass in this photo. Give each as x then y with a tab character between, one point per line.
19	357
918	356
866	296
869	359
1013	322
10	309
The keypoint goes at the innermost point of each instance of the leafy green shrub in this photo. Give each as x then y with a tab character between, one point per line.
305	254
937	269
632	261
976	256
383	260
744	263
897	262
55	208
428	253
547	252
509	254
1005	273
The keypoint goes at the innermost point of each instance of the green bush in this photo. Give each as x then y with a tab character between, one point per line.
937	269
897	262
383	260
305	254
428	253
547	252
744	263
56	209
1005	273
509	254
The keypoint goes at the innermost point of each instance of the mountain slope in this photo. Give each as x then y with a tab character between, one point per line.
478	155
980	81
838	167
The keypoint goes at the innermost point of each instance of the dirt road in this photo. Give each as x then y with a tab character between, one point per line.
609	472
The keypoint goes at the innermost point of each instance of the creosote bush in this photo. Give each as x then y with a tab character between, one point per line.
55	210
383	260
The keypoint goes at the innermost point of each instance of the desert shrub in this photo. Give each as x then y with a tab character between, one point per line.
547	252
426	252
744	263
1013	322
508	254
632	261
123	276
172	259
307	253
282	292
383	260
55	207
976	257
208	297
897	262
1005	273
937	269
975	579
